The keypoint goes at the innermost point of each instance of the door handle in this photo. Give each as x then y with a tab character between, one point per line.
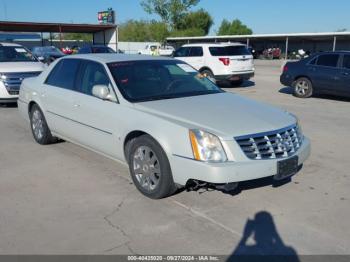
76	105
345	73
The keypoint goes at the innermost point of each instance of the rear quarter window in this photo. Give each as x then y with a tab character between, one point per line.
229	50
329	60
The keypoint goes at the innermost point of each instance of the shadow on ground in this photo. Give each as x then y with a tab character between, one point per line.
202	187
8	105
289	91
247	83
261	238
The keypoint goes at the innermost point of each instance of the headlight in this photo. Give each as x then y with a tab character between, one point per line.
207	147
2	77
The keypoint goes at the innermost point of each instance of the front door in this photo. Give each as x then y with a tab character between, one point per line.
96	116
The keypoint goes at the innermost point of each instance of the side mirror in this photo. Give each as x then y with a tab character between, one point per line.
102	92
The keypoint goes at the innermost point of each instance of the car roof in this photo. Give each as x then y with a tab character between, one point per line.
222	44
8	44
333	52
115	57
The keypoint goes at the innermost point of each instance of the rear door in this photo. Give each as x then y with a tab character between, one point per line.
241	60
345	76
58	95
326	73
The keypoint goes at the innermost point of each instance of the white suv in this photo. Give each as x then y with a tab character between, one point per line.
222	61
16	63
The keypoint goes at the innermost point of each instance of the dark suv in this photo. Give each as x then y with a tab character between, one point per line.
322	73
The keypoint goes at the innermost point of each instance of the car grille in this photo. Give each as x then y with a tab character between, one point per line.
271	145
13	80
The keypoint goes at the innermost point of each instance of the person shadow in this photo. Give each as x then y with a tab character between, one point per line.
268	243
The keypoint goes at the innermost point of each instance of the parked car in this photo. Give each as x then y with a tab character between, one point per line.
322	73
157	50
219	61
162	118
67	50
16	64
95	49
47	54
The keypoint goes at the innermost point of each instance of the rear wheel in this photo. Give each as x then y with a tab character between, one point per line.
39	127
209	74
303	87
150	169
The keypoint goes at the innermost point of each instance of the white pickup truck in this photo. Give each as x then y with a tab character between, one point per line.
157	50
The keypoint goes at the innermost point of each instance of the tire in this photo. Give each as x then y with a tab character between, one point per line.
150	169
303	88
39	127
209	74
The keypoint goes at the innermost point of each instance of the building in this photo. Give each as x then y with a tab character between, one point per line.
105	34
311	42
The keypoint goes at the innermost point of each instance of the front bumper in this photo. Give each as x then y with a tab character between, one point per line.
184	169
5	97
235	76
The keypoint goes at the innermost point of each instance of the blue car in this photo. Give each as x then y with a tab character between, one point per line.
322	73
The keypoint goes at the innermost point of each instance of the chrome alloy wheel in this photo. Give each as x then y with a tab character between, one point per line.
302	87
38	124
146	168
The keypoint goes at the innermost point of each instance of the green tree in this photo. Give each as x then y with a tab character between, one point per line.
200	20
236	27
143	31
171	12
77	36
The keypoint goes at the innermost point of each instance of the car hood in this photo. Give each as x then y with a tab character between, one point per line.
15	67
225	114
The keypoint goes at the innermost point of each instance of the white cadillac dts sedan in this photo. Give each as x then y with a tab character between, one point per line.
169	123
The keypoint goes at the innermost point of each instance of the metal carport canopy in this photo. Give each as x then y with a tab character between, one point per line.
311	36
7	26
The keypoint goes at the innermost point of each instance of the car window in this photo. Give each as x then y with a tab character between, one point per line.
84	50
64	73
313	61
92	74
16	54
328	60
229	50
196	51
346	61
182	52
140	81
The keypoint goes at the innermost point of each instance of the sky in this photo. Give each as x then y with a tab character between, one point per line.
273	16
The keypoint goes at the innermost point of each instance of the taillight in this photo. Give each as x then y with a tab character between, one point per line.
225	61
285	68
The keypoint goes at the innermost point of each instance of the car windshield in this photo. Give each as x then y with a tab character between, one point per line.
15	54
229	50
140	81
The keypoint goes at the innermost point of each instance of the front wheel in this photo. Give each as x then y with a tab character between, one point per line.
303	87
39	127
150	169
